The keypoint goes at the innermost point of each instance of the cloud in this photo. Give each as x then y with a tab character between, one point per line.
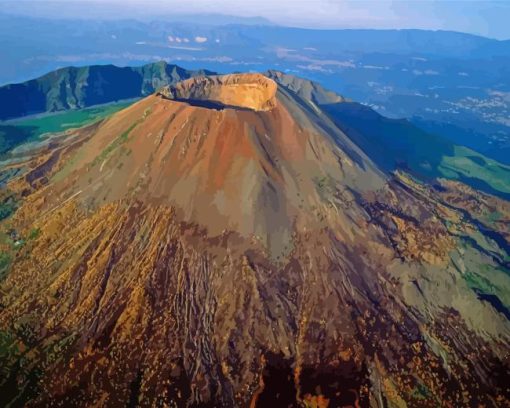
181	47
314	67
375	67
311	63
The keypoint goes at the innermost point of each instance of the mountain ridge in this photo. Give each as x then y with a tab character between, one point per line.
80	87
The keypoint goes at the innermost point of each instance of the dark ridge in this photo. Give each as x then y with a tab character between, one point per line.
134	389
341	385
11	136
495	302
279	388
210	104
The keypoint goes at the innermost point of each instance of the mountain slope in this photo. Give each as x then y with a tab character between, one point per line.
224	243
394	144
73	88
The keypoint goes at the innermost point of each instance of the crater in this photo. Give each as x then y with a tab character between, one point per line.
237	91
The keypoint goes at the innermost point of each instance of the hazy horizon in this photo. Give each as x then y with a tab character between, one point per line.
486	18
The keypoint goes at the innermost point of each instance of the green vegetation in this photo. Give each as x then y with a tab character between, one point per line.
321	182
18	131
476	281
493	216
7	208
11	243
490	280
9	352
34	234
16	363
8	249
467	163
421	392
5	262
59	122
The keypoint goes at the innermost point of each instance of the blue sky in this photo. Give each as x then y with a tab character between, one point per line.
485	17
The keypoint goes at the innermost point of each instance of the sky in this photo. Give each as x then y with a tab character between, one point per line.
483	17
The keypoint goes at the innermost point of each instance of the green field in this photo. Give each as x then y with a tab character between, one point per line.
468	164
17	131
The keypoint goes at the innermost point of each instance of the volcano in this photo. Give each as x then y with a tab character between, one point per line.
223	242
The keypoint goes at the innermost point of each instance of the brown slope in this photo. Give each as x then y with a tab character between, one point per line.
251	171
241	255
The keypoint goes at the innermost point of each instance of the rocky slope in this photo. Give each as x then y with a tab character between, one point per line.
224	243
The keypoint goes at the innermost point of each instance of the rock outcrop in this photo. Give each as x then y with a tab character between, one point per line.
249	91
